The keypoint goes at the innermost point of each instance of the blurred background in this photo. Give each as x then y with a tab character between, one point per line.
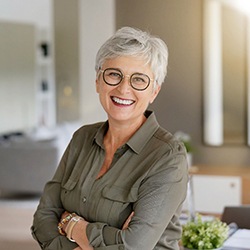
47	86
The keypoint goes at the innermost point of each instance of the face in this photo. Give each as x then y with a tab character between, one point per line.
121	102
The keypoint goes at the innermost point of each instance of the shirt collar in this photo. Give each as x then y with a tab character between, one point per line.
144	133
99	137
139	139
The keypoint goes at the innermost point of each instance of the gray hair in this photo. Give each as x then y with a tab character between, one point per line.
129	41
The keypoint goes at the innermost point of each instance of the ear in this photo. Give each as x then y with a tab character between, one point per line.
97	85
155	92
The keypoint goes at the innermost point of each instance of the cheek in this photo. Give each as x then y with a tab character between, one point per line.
154	94
103	91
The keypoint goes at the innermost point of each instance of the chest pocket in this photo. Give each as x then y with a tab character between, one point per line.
118	204
120	194
69	195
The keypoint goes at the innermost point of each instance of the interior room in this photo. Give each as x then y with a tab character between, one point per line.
47	91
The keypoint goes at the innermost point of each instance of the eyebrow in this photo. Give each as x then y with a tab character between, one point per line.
136	72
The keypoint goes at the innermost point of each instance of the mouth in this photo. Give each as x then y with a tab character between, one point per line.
119	101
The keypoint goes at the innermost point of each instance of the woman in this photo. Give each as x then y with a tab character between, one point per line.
120	183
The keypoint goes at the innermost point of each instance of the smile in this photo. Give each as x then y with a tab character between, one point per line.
122	101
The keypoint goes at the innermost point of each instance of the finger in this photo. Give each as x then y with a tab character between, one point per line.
125	225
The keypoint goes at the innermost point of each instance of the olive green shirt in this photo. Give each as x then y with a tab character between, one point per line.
148	175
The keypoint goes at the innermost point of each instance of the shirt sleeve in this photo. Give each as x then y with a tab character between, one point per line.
160	195
44	229
157	209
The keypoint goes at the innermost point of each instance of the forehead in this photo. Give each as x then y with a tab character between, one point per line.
128	64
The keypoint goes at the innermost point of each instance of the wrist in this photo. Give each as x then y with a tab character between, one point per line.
79	234
70	227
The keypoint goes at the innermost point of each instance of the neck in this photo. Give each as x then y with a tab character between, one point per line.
119	133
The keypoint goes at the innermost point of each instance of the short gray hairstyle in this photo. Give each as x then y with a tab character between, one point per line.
129	41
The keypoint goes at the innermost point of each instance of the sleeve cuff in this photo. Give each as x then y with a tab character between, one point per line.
94	233
100	234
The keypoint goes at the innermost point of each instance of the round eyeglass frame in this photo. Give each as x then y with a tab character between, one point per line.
123	76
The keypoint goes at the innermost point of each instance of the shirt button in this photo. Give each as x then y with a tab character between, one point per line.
121	247
84	199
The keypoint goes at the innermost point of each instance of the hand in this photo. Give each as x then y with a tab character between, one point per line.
77	248
126	223
80	236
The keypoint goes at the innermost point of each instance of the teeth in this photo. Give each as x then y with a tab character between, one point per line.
120	101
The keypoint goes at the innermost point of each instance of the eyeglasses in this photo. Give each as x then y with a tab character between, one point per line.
113	77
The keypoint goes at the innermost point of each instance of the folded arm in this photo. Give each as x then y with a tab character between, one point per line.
159	195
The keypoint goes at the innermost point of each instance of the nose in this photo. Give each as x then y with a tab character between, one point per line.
125	84
124	78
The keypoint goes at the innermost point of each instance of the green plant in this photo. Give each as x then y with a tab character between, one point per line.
186	139
188	146
202	235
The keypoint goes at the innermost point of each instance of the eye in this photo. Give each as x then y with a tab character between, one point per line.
140	79
113	74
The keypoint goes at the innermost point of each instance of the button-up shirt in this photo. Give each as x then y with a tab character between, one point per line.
148	175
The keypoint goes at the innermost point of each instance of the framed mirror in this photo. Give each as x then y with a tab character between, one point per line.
226	72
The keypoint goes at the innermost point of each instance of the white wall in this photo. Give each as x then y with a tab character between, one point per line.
28	11
17	77
97	24
30	21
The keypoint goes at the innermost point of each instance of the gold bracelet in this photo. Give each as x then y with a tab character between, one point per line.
61	231
63	222
71	226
